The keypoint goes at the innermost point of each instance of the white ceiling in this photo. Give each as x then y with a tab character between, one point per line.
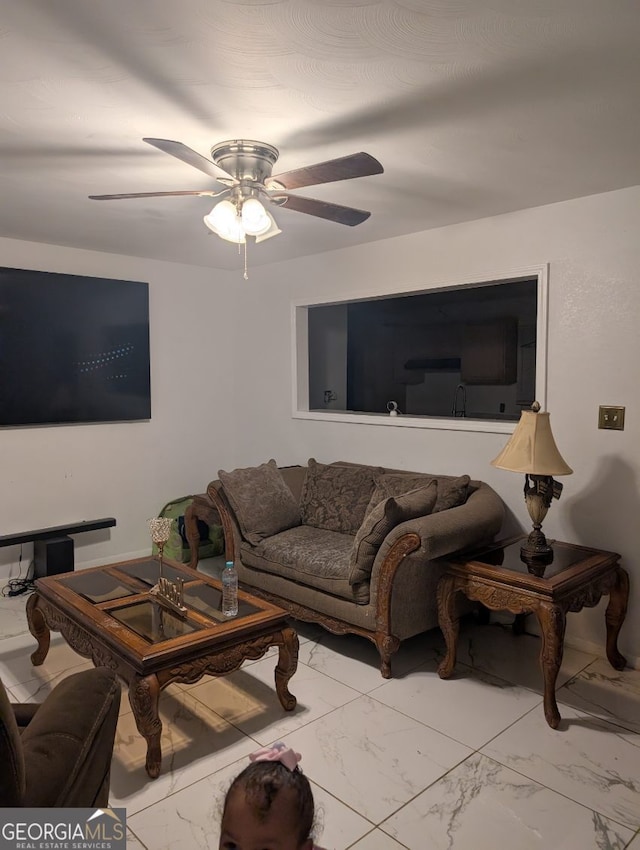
474	108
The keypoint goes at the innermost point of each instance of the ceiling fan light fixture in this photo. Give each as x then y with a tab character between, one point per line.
224	221
229	229
273	229
221	216
255	219
234	233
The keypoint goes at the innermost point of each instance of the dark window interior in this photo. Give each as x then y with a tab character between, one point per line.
465	352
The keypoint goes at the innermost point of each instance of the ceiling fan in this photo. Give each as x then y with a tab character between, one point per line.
243	169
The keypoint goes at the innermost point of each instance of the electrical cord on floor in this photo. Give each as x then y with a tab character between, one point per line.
18	586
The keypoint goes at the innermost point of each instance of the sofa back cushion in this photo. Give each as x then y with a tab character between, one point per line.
261	501
452	492
380	520
336	497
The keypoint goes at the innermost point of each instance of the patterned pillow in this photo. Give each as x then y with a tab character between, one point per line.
451	492
336	497
261	501
380	520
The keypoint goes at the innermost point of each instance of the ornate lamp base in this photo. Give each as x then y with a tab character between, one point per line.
539	490
536	553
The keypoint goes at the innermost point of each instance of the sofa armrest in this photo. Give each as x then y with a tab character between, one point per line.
68	744
476	522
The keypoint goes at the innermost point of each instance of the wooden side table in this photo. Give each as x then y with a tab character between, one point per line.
497	577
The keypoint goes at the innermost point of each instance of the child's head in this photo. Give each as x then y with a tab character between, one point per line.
269	806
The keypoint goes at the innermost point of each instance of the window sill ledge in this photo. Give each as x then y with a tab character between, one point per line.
439	423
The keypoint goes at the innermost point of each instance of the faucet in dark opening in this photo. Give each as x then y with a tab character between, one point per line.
461	392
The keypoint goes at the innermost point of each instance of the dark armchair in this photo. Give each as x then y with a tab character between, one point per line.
59	753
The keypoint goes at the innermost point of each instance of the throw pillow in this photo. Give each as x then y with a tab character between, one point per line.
451	492
396	484
261	501
382	518
336	497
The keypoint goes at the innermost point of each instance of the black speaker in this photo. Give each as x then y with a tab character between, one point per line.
52	556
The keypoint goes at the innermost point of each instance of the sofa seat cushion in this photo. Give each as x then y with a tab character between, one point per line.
310	556
336	497
380	520
261	501
452	492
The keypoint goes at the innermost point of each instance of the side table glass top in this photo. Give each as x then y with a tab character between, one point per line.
507	556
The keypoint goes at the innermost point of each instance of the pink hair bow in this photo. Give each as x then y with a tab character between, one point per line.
277	752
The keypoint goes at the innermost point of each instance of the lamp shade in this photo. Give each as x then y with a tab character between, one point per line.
532	448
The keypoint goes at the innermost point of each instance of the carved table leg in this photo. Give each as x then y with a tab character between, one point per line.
614	617
39	629
286	667
143	696
449	623
553	620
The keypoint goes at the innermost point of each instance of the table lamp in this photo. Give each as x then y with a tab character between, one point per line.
533	450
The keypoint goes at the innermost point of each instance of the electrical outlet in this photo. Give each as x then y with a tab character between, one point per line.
611	417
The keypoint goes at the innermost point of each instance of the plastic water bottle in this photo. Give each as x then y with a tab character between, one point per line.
229	590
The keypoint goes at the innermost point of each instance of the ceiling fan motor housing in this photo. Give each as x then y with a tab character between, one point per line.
245	160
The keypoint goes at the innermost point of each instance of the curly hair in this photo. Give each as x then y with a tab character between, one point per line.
262	781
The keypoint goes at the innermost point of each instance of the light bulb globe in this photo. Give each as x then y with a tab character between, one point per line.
254	217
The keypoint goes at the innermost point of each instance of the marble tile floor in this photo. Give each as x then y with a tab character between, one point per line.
413	762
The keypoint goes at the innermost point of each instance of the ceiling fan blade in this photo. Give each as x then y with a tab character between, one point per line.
344	168
325	209
201	192
193	158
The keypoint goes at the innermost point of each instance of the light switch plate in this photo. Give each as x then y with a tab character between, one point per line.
611	417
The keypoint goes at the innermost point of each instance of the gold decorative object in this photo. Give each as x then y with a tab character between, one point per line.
533	450
167	592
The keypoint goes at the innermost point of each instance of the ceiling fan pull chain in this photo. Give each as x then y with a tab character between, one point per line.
246	242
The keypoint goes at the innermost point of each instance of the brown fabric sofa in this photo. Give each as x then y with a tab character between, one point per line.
351	547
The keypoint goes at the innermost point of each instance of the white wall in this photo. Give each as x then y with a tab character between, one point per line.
59	475
593	252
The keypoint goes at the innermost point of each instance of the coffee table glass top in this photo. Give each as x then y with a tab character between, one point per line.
208	600
508	557
145	615
98	587
153	622
149	572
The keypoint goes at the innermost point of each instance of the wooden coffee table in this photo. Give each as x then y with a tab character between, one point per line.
106	614
497	577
